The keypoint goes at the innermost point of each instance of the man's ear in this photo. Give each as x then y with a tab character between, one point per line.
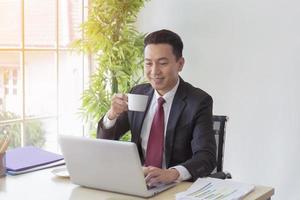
181	63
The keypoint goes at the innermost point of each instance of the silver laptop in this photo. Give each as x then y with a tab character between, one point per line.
106	165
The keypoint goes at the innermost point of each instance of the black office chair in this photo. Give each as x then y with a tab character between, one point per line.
219	126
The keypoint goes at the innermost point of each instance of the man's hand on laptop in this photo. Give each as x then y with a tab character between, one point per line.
155	176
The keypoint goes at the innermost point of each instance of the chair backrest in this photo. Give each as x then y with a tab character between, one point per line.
219	125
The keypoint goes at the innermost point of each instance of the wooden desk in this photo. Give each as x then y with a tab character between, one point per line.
43	185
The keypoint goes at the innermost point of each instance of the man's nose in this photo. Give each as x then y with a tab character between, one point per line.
155	69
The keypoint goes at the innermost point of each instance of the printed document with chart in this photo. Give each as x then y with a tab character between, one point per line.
215	189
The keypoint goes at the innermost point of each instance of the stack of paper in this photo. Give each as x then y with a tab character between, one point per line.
27	159
215	189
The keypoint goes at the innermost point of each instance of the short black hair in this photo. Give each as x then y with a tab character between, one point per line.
166	37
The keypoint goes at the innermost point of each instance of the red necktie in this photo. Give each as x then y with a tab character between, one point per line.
155	144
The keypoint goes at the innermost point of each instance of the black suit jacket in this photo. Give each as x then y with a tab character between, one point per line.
189	139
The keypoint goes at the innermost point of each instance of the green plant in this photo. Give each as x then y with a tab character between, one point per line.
110	35
34	132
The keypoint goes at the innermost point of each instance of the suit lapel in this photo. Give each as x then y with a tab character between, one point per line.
138	118
175	112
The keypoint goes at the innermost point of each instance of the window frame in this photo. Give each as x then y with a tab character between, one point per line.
85	67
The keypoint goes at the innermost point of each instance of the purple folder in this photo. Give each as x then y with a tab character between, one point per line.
28	157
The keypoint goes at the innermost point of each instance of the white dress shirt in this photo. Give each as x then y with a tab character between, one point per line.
169	96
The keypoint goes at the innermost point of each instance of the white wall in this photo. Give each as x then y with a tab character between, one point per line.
246	54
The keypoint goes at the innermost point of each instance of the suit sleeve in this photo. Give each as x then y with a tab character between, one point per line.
117	131
122	124
203	144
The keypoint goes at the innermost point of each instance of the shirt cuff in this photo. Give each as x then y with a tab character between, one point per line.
107	123
184	174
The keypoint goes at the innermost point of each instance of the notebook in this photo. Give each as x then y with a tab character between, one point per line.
25	158
53	164
106	165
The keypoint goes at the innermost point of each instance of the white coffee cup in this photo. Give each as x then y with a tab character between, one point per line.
137	102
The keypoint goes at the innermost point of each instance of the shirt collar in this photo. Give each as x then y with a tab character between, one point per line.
170	94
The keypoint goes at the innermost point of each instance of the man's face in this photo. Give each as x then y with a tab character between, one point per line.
162	67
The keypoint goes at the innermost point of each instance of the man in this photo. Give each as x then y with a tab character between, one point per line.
174	135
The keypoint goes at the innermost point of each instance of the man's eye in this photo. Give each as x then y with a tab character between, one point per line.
148	64
163	63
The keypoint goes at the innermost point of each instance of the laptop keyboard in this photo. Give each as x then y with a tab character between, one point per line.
150	187
156	186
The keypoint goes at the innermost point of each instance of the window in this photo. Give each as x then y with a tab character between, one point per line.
41	78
